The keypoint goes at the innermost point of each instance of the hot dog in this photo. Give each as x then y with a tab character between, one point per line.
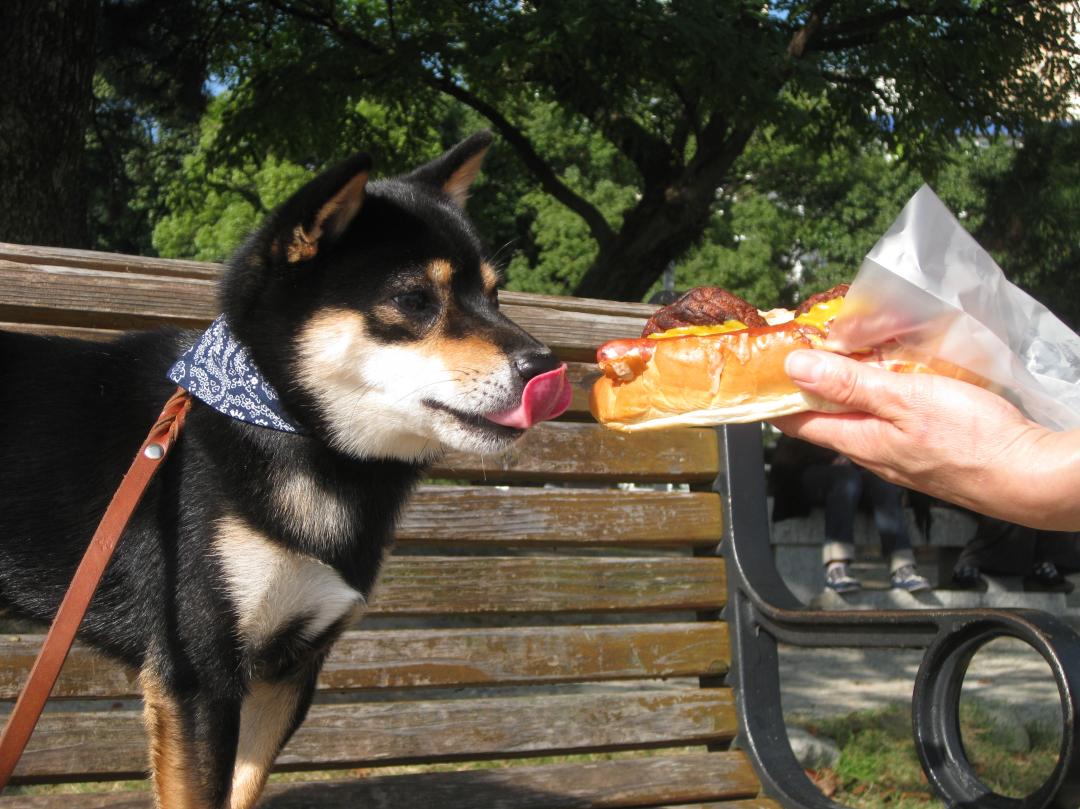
697	363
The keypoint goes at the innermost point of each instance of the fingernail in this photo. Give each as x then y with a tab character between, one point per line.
805	366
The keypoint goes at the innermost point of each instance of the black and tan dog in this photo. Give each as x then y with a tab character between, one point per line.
370	309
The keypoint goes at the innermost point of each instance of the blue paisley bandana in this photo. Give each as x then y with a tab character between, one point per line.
219	371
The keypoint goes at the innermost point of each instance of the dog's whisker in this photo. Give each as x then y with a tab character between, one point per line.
434	383
498	253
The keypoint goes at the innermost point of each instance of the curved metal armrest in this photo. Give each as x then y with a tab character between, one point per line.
762	611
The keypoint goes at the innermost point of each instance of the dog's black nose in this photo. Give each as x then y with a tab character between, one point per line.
534	363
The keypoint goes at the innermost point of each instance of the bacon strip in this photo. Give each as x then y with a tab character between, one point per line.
838	291
703	306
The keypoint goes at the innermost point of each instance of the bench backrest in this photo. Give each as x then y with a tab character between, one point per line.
561	599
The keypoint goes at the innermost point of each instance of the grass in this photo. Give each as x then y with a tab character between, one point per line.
878	767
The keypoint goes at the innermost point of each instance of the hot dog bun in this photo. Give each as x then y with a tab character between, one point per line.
690	377
702	380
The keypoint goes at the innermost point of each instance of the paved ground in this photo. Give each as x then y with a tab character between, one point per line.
835	682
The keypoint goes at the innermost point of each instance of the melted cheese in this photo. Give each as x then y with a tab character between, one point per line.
699	331
820	314
819	317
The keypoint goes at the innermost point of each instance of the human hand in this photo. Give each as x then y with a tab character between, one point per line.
947	438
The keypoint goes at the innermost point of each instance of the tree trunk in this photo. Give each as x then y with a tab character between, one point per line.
664	225
652	236
47	57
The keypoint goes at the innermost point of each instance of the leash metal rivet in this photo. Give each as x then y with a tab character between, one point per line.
154	451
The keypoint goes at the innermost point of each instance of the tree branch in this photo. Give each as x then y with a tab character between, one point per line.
869	23
327	21
517	139
247	194
540	169
690	108
648	153
867	29
715	131
805	35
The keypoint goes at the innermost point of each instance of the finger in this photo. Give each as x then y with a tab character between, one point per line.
791	425
850	384
864	438
848	433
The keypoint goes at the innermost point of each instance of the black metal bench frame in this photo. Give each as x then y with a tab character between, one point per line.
762	612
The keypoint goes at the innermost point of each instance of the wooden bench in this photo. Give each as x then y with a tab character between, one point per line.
532	612
550	631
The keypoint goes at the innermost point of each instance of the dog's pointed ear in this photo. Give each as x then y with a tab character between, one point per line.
455	171
317	214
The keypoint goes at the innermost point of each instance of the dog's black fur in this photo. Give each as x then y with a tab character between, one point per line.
241	566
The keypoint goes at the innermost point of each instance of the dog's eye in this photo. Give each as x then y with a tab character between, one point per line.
415	302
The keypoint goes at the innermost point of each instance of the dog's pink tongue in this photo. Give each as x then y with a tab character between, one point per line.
545	397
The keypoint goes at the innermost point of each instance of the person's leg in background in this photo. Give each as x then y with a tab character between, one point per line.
1005	549
837	487
998	547
1056	554
886	500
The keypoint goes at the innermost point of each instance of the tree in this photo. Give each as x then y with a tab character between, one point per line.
208	205
797	222
677	89
99	100
1030	218
207	210
47	61
149	96
803	222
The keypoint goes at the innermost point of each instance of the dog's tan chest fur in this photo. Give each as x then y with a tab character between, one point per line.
312	511
270	586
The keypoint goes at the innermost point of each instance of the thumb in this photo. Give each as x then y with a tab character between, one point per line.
847	384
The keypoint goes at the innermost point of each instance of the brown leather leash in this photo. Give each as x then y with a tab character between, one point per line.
84	583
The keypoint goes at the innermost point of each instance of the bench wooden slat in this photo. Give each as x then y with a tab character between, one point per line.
618	784
321	795
527	655
573	335
570	517
588	452
75	296
639	311
69	296
494	585
113	262
95	746
580	355
754	803
580	374
187	268
77	332
428	658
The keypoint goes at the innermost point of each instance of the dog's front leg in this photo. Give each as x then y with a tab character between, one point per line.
192	745
272	710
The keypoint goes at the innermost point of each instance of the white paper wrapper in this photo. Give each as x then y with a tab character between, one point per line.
931	288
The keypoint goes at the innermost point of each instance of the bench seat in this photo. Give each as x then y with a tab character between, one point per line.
547	632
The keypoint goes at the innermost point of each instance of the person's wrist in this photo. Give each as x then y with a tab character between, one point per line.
1042	478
